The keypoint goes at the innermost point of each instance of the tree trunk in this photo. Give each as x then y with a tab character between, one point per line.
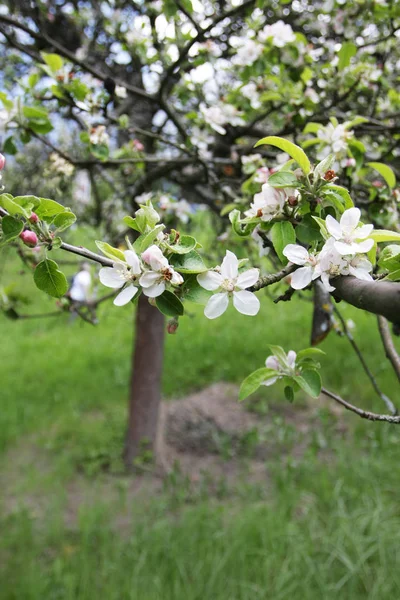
145	385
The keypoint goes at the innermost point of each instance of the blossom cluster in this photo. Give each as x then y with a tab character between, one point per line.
342	254
150	272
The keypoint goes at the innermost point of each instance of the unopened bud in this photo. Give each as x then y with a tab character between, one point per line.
33	218
29	238
292	201
2	162
329	175
172	326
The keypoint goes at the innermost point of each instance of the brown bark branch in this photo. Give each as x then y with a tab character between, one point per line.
364	414
390	350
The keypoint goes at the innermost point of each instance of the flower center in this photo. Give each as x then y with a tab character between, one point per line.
228	285
166	274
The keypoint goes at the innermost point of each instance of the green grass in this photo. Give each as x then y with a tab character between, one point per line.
320	527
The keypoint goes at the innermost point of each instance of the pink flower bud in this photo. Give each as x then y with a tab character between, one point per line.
33	218
29	238
172	326
2	162
137	144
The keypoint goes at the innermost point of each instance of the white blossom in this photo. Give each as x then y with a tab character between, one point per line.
280	32
120	91
155	280
62	166
335	140
250	92
283	367
348	233
221	114
269	203
99	135
248	52
298	255
230	284
122	274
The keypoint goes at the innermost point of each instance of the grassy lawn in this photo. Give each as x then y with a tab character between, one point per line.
317	528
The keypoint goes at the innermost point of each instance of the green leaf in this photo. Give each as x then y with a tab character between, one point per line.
310	382
169	304
309	353
64	220
145	240
54	61
110	252
324	165
346	52
131	222
188	263
307	231
11	229
283	179
322	227
254	380
390	257
242	229
12	207
394	275
100	151
186	244
289	393
192	291
312	127
282	234
385	171
385	235
40	126
32	112
279	352
50	279
294	151
9	146
48	209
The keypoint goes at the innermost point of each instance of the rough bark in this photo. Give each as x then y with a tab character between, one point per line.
378	297
145	385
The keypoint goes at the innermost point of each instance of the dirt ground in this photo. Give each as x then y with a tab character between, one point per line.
207	438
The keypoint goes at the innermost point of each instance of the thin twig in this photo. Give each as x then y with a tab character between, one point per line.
267	280
390	350
364	414
389	404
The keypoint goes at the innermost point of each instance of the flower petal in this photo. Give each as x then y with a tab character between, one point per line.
291	358
125	296
301	278
248	278
176	278
349	219
211	280
333	227
364	246
325	282
272	363
229	266
296	254
344	248
149	278
133	261
270	381
216	305
360	273
246	303
363	232
155	290
111	277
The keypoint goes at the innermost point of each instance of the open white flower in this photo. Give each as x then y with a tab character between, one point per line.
221	114
283	367
335	140
361	268
120	274
230	284
269	203
298	255
280	32
348	233
154	282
